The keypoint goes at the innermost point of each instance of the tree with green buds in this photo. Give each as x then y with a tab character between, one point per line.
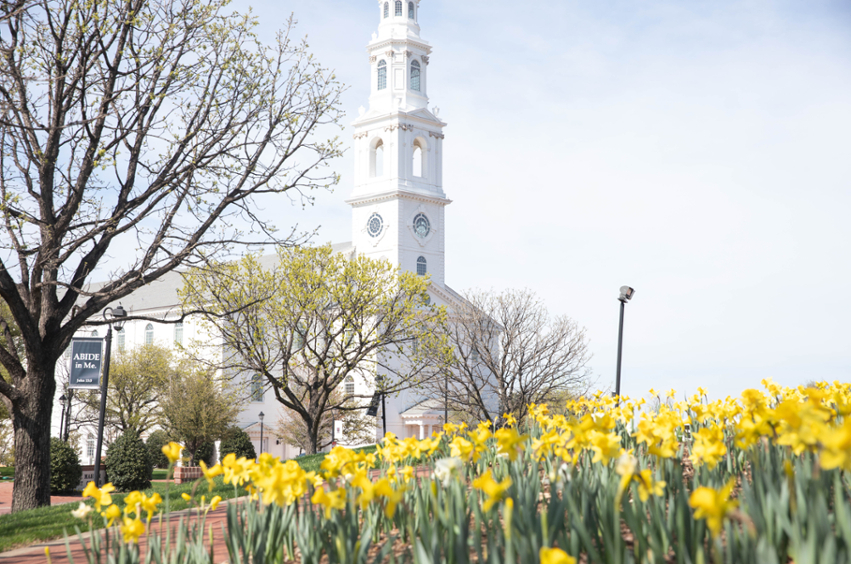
312	319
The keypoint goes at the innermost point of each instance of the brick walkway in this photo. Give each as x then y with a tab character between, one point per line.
6	498
59	555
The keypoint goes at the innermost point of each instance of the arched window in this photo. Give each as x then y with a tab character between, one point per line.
418	161
377	158
398	7
415	76
257	388
411	10
299	337
382	75
350	386
121	335
422	266
178	333
149	334
387	9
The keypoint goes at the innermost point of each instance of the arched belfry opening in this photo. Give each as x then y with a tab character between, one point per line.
376	159
418	159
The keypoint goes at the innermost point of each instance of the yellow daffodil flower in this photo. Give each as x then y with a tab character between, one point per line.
111	514
172	452
334	499
495	491
555	556
132	529
713	505
100	495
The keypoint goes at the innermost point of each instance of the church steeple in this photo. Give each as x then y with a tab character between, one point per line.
398	200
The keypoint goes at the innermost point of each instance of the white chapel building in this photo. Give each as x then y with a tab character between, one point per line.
398	206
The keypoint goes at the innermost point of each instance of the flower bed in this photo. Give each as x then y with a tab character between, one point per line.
760	478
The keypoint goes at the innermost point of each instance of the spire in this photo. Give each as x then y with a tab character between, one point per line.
398	59
398	18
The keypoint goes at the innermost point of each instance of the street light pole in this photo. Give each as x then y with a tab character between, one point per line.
261	415
626	295
67	430
62	418
116	317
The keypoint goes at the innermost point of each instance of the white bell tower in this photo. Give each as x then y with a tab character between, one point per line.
398	200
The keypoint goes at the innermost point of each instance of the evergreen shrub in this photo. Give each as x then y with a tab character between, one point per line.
205	452
65	469
156	441
238	442
127	463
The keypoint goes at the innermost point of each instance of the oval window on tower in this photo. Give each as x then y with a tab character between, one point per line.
422	226
415	76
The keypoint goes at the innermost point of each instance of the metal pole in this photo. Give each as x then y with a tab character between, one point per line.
62	418
261	435
103	391
68	416
620	349
384	413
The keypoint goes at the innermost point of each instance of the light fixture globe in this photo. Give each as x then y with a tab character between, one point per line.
626	293
261	415
116	317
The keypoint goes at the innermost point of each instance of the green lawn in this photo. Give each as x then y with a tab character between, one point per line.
311	462
7	472
46	523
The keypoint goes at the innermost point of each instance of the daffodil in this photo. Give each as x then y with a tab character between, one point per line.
446	468
214	503
100	495
111	514
334	499
495	491
210	473
555	556
172	452
132	529
509	419
647	486
82	511
713	505
510	442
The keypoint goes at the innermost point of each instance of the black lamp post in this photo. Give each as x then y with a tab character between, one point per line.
112	317
261	415
67	430
62	417
626	295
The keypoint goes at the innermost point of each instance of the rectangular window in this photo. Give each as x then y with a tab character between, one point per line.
382	78
90	448
121	335
399	8
178	333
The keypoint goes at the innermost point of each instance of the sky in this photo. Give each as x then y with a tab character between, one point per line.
696	151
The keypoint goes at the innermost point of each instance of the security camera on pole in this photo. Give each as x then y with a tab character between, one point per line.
626	295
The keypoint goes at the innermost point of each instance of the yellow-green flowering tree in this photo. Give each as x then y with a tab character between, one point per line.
135	137
314	318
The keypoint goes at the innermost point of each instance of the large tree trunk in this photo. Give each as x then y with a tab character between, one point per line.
31	418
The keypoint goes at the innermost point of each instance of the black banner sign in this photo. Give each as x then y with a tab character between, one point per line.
86	363
372	410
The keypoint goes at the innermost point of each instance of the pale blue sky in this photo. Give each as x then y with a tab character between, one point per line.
697	151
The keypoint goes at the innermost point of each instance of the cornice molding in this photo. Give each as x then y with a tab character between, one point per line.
400	41
397	195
